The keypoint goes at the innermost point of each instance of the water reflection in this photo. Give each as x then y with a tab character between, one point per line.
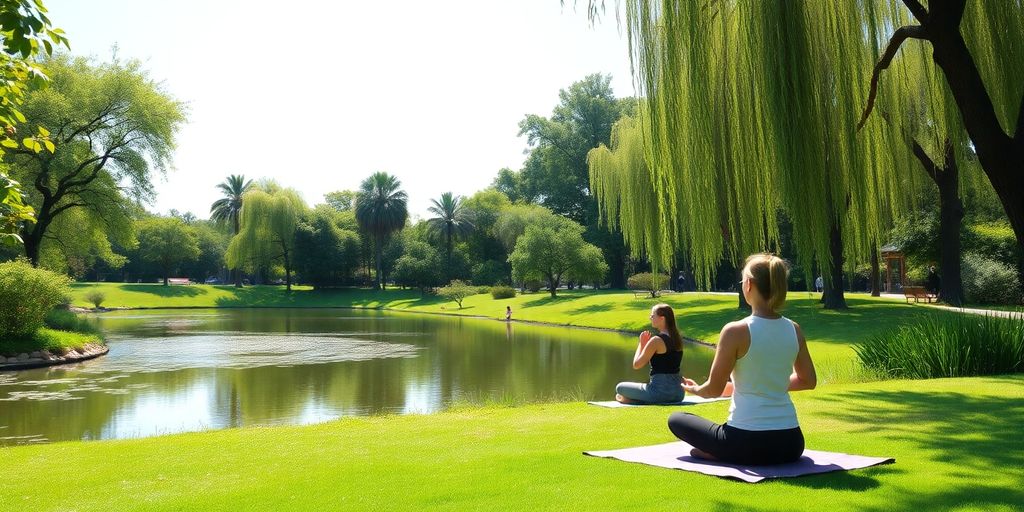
192	370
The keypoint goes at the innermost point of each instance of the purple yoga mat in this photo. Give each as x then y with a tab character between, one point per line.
677	456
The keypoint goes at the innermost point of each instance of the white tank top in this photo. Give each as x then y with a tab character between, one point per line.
760	399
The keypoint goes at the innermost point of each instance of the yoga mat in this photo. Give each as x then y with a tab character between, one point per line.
689	400
677	456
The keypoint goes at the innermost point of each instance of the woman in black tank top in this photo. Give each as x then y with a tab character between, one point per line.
664	352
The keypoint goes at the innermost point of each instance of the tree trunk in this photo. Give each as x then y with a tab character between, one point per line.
379	253
951	214
552	285
1001	156
833	297
236	273
876	275
165	279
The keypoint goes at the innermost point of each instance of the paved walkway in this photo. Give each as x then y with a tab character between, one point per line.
971	311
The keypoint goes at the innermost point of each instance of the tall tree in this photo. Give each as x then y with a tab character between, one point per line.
973	44
381	209
452	221
112	128
268	224
341	200
553	249
167	242
228	209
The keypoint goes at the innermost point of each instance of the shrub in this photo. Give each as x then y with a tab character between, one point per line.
483	290
532	285
457	291
647	281
947	345
503	292
987	281
27	294
95	297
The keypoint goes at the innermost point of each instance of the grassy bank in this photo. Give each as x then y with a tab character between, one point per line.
53	340
700	315
956	443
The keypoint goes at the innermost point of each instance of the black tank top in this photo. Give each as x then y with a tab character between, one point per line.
669	361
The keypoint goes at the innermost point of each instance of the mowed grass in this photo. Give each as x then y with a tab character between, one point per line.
956	442
700	315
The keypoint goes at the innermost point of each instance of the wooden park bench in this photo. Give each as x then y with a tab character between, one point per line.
178	280
917	293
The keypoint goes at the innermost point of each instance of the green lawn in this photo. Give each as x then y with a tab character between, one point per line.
957	445
700	315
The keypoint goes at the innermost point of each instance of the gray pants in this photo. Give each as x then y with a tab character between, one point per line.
663	388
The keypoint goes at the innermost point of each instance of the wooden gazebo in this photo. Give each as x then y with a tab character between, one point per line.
896	269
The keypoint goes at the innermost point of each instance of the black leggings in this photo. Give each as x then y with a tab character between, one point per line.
730	444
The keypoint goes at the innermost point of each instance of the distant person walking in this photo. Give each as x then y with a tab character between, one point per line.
681	282
508	313
819	284
934	283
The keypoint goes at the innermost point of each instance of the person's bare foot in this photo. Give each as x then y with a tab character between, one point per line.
700	454
623	400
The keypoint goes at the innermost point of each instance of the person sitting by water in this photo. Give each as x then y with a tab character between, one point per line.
766	353
664	352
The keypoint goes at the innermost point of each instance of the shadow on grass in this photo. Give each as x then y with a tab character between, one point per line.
548	299
164	291
978	432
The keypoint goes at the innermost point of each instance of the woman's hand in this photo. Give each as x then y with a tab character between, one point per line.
645	336
690	386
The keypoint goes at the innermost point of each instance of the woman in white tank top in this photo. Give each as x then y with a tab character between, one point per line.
767	357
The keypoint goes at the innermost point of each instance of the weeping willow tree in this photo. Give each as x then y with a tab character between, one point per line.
267	235
977	52
750	106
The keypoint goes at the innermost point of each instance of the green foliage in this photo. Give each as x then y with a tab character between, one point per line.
513	221
213	244
591	268
27	33
95	298
341	200
166	242
326	255
27	294
267	236
419	267
987	281
457	291
502	292
648	281
994	240
490	272
948	346
552	249
13	211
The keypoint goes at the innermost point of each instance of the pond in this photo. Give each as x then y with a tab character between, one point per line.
185	370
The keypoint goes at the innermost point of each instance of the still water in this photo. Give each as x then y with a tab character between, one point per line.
173	371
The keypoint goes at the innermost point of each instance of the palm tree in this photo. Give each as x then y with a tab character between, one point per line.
228	208
453	220
381	209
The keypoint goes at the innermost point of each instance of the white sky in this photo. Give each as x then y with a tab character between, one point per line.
320	94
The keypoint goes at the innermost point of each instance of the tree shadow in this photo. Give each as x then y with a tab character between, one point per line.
165	291
978	432
542	301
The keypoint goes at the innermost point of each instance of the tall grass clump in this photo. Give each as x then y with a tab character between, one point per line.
948	346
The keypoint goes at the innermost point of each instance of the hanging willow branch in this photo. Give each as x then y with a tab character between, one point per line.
901	35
